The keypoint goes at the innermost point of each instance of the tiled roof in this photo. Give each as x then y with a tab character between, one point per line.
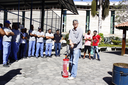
125	24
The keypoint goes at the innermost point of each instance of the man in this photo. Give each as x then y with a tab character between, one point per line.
96	40
88	39
15	41
49	37
7	42
75	39
58	37
32	41
24	38
2	33
40	43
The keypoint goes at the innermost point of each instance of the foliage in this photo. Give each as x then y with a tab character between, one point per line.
93	8
121	12
102	37
116	42
66	38
105	11
109	45
105	7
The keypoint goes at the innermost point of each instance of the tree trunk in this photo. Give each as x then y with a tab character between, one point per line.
100	17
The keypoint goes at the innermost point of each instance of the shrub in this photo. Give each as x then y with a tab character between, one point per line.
116	42
66	38
102	37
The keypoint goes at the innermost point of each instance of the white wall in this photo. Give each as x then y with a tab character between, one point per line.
81	18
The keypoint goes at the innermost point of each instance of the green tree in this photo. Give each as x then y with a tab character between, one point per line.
93	8
103	8
121	11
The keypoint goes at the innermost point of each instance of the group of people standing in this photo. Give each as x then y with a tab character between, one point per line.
14	40
75	42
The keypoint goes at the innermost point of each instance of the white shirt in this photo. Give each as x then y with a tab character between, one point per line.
40	39
49	35
23	41
5	37
32	38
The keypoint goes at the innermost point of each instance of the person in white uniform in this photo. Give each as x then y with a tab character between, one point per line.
49	37
40	43
32	41
7	42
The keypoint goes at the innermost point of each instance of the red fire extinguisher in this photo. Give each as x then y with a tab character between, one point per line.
65	67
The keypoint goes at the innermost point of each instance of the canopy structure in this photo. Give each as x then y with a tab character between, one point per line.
124	27
26	4
39	4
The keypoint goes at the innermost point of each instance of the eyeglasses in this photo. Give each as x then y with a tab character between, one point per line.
75	23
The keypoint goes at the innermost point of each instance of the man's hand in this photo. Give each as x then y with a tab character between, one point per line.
7	33
71	44
35	35
60	41
38	35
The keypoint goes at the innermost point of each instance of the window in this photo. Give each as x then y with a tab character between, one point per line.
64	20
87	20
112	23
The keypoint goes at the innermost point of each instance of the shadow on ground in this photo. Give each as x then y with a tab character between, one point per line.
9	75
108	80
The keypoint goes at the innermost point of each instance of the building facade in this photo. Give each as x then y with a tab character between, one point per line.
86	21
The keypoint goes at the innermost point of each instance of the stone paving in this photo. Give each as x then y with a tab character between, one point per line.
47	71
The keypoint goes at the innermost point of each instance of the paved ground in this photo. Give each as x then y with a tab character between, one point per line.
47	71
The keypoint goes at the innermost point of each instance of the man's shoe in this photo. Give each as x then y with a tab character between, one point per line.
50	56
98	59
71	78
16	61
5	65
42	56
46	56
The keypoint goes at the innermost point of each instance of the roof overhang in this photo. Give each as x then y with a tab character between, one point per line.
37	4
122	26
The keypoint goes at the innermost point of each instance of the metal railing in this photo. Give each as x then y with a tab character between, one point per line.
51	20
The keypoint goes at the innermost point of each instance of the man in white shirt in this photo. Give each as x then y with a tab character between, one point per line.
40	43
32	41
49	37
7	42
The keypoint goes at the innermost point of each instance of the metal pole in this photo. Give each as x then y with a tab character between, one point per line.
42	15
52	21
18	10
47	21
56	22
61	19
5	16
23	18
31	13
